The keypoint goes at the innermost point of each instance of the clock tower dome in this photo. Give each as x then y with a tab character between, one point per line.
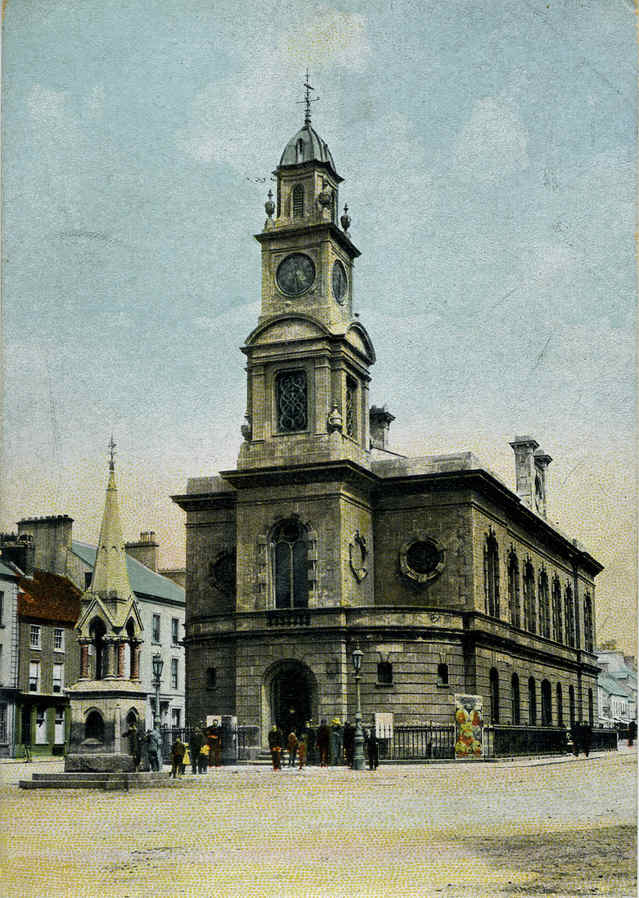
309	356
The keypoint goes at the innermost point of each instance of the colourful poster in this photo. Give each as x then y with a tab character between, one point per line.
469	722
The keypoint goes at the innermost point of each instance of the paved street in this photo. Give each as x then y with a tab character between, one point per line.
563	827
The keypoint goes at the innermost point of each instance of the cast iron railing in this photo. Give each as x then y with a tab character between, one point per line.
419	742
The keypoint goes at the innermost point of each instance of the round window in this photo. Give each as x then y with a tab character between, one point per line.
421	558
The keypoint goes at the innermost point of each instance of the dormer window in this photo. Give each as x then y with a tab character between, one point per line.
298	201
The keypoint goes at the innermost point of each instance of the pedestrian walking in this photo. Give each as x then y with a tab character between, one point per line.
311	744
195	744
349	743
154	743
302	745
177	756
337	742
586	737
134	743
575	735
275	745
291	744
323	742
203	758
632	732
214	736
372	749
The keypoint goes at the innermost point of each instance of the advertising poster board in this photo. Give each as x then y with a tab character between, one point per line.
469	723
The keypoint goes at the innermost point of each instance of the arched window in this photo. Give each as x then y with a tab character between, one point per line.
97	631
494	695
571	704
544	605
351	408
513	590
515	701
442	674
591	709
298	201
94	726
292	401
532	702
588	628
560	706
299	151
556	611
290	564
546	704
491	575
569	617
530	613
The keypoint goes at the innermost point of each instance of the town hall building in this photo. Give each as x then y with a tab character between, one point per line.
321	540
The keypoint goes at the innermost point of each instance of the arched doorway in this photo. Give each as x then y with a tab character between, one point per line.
291	696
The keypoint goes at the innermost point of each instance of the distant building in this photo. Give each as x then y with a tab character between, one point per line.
160	601
49	660
9	689
619	669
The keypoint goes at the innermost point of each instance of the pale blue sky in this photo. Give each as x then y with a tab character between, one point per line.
488	151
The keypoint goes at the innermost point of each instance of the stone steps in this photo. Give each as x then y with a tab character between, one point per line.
118	781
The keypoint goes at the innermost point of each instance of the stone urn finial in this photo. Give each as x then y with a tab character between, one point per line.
269	205
325	196
345	220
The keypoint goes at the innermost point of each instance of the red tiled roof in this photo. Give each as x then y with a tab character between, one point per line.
49	597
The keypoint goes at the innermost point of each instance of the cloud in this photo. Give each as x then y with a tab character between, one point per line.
224	112
492	143
46	105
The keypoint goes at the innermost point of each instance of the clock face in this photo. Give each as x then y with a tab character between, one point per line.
339	281
295	274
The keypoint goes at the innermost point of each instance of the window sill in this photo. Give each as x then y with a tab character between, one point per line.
35	648
384	685
442	685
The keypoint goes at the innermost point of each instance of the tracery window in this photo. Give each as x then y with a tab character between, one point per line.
588	628
298	201
491	575
290	564
530	611
513	590
569	615
556	611
292	401
544	605
351	413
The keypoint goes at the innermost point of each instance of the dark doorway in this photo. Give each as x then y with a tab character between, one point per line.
291	698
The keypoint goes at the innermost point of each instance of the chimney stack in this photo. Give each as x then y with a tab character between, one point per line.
531	464
145	550
380	421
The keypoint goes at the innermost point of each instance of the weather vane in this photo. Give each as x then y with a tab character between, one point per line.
112	446
308	99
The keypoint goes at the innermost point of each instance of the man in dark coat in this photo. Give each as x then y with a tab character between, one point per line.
195	744
177	756
349	743
372	749
586	737
337	742
323	742
575	735
134	744
154	742
632	732
275	745
311	743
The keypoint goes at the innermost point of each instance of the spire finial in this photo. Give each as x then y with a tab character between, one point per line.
112	446
308	99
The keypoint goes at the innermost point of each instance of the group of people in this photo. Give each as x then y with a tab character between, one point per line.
138	739
334	745
204	749
581	737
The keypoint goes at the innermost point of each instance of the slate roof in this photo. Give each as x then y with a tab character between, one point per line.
6	571
612	686
144	581
49	597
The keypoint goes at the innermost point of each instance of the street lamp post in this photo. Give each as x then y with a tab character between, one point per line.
358	753
158	664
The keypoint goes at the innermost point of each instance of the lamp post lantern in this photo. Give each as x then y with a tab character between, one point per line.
358	753
158	664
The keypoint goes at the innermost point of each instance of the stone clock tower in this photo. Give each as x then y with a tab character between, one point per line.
308	358
322	539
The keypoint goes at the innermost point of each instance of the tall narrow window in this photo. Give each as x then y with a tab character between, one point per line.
442	674
58	677
175	625
532	702
3	723
155	628
560	706
588	628
2	613
591	708
174	673
34	636
298	201
58	639
571	704
530	615
569	617
59	726
292	401
544	605
546	704
513	590
34	676
491	575
351	408
494	695
41	726
514	698
558	630
290	561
